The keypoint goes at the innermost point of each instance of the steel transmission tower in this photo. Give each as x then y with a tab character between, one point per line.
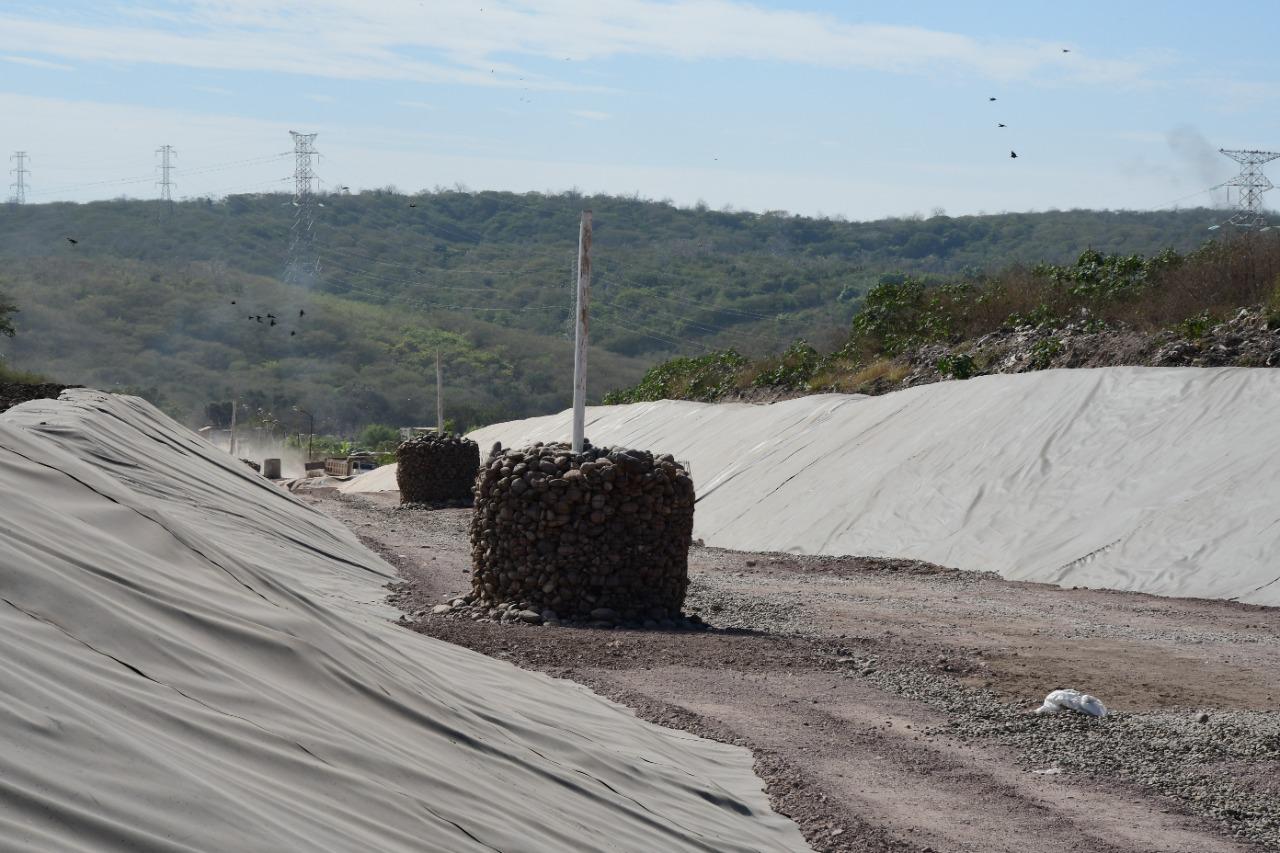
303	264
166	184
19	172
1252	183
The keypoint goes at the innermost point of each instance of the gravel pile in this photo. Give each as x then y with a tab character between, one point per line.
435	468
720	600
601	536
1180	754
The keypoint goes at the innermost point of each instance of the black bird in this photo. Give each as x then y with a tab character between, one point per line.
273	322
990	99
999	125
301	313
291	334
271	316
1065	50
258	317
1013	154
413	204
72	240
233	302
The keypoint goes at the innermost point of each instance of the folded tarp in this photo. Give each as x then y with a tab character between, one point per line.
193	660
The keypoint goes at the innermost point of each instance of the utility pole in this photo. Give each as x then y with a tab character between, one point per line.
580	332
233	428
19	172
167	154
439	396
303	265
1252	183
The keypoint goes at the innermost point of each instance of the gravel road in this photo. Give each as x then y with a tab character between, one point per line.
889	703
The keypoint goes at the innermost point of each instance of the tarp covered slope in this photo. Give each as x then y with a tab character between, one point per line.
193	660
1155	479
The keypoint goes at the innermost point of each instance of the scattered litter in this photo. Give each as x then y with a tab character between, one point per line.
1072	700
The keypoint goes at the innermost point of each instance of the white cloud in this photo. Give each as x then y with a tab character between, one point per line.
320	99
36	63
593	115
356	39
417	105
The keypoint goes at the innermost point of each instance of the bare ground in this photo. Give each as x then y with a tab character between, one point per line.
888	702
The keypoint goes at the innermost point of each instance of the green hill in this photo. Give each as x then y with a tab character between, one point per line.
143	301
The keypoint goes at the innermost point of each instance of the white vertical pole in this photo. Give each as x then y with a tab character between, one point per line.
439	396
580	333
233	427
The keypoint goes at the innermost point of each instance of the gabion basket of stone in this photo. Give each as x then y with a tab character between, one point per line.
435	468
600	537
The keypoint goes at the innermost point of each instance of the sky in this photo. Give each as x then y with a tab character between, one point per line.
851	109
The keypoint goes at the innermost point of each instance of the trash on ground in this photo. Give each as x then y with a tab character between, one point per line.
1072	700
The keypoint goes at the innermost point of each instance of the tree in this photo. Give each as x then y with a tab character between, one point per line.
7	310
379	437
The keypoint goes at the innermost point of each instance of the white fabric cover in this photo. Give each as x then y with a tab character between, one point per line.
193	660
1154	479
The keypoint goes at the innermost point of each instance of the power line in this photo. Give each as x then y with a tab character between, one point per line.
403	297
402	281
691	302
142	179
20	172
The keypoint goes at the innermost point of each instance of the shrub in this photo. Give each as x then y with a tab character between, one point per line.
1043	353
959	366
792	369
1195	327
706	377
897	315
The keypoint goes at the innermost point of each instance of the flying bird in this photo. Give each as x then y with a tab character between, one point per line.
72	240
990	99
999	125
273	322
233	302
271	316
1066	50
1013	154
291	334
302	313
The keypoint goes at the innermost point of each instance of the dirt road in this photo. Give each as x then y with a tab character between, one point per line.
888	703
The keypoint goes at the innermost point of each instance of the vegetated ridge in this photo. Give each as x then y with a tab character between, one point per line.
179	308
1214	306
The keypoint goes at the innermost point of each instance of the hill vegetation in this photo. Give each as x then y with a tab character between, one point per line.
143	301
1219	304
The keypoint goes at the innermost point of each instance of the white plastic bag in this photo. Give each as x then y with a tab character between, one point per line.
1072	700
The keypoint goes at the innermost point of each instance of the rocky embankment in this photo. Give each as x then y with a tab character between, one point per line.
13	393
1245	340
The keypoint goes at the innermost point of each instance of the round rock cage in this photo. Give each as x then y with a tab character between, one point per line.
435	468
603	534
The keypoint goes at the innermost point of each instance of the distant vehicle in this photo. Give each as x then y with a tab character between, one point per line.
354	463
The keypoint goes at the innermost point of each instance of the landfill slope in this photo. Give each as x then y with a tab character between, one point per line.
1161	480
196	661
